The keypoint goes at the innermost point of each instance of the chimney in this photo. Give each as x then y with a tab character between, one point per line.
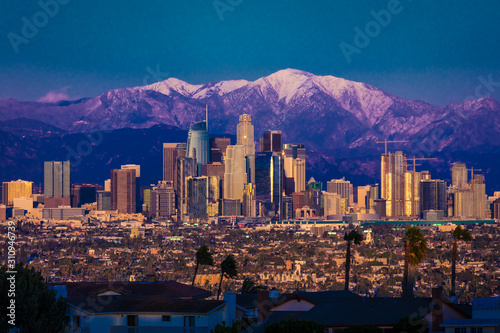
437	309
262	305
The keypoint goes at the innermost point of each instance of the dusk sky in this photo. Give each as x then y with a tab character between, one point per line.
430	50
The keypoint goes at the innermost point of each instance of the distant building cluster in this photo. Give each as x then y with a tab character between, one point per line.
208	177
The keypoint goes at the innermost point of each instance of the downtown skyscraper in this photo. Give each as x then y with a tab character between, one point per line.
245	137
57	179
392	178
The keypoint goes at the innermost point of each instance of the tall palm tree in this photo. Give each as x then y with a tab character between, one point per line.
228	268
203	257
353	237
415	252
459	234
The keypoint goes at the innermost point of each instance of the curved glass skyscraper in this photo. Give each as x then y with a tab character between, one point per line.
198	142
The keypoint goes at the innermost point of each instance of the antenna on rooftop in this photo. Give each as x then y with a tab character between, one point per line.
206	116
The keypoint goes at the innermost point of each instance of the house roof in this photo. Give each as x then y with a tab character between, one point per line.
477	322
366	311
249	301
143	304
170	289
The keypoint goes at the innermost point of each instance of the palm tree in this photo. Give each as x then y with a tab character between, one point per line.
203	257
250	287
415	251
459	234
228	268
352	237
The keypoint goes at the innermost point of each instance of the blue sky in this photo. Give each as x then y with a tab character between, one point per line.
430	50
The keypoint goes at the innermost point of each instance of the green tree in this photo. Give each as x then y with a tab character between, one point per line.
294	326
203	257
36	307
229	269
353	237
459	234
415	252
250	287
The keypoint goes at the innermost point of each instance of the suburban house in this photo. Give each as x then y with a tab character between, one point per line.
485	318
337	310
135	307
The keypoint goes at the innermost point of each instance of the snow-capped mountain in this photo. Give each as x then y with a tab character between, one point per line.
331	116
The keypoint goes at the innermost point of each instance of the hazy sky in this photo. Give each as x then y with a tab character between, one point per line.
430	50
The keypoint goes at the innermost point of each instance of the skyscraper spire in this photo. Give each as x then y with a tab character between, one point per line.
206	116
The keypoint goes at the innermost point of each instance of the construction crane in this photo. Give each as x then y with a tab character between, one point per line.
472	173
392	141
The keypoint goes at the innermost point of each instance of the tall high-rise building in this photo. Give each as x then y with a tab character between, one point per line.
269	179
342	187
496	209
393	169
249	206
202	196
103	200
16	189
57	179
123	190
186	167
137	169
172	151
235	175
459	175
295	165
271	142
198	143
463	203
245	137
331	203
163	200
218	148
433	195
245	134
480	198
362	194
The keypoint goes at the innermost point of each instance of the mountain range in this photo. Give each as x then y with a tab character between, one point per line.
338	120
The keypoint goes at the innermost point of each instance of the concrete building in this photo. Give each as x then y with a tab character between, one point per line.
342	187
16	189
171	152
331	203
235	176
433	196
57	179
393	169
123	190
163	200
245	137
62	213
459	175
103	200
271	142
218	148
24	203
